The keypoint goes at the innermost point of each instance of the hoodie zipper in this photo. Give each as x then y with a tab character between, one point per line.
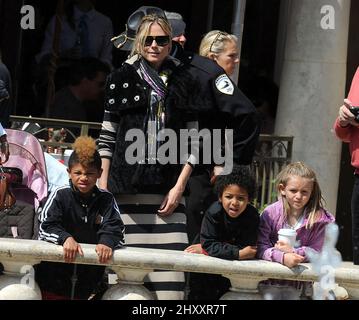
84	218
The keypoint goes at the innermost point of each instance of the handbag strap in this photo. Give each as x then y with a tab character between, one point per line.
3	186
3	190
7	199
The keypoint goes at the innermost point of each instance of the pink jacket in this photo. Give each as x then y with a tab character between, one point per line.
272	219
350	134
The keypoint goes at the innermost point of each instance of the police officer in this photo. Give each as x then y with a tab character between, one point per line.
217	104
215	108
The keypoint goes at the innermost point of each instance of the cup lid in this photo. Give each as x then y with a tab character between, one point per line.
287	232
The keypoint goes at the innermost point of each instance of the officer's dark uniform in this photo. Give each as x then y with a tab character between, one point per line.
215	108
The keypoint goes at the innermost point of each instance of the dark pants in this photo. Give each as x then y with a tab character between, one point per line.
64	280
205	286
200	197
355	220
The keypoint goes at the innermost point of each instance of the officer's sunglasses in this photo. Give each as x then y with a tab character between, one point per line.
160	40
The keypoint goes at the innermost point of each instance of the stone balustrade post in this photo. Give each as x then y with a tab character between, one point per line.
129	285
352	289
18	281
243	288
347	276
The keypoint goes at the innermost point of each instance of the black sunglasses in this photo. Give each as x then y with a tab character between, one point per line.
160	40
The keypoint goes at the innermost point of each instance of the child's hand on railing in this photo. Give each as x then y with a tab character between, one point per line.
284	246
71	248
292	259
104	253
248	252
194	248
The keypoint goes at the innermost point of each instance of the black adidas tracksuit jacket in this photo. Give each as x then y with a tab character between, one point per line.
95	221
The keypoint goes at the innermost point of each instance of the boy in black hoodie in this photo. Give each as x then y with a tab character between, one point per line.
77	213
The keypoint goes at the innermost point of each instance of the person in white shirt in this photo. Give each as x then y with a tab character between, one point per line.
85	32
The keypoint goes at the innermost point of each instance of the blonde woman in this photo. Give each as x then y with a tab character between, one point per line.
149	193
221	47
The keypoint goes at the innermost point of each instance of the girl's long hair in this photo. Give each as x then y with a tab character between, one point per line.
316	201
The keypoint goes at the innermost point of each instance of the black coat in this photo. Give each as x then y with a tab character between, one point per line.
127	99
216	108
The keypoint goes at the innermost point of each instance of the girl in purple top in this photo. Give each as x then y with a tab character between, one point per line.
299	207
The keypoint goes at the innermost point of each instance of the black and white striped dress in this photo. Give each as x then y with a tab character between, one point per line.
146	229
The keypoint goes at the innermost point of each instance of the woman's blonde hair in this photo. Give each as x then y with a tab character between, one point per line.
144	30
316	200
215	41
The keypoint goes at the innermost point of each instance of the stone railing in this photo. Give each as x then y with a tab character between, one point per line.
133	264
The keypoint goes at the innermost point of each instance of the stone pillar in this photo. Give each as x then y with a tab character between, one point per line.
239	8
129	285
352	290
18	281
243	288
313	86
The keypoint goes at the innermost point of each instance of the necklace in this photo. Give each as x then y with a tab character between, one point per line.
297	224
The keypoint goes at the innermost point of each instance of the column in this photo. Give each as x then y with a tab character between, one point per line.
129	285
18	281
312	86
243	287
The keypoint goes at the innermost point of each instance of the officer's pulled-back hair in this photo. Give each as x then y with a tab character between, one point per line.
242	176
85	153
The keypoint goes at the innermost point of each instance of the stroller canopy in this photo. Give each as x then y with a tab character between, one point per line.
26	154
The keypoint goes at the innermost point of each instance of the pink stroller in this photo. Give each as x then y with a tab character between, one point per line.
27	155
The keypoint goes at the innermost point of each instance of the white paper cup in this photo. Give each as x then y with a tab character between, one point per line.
287	235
